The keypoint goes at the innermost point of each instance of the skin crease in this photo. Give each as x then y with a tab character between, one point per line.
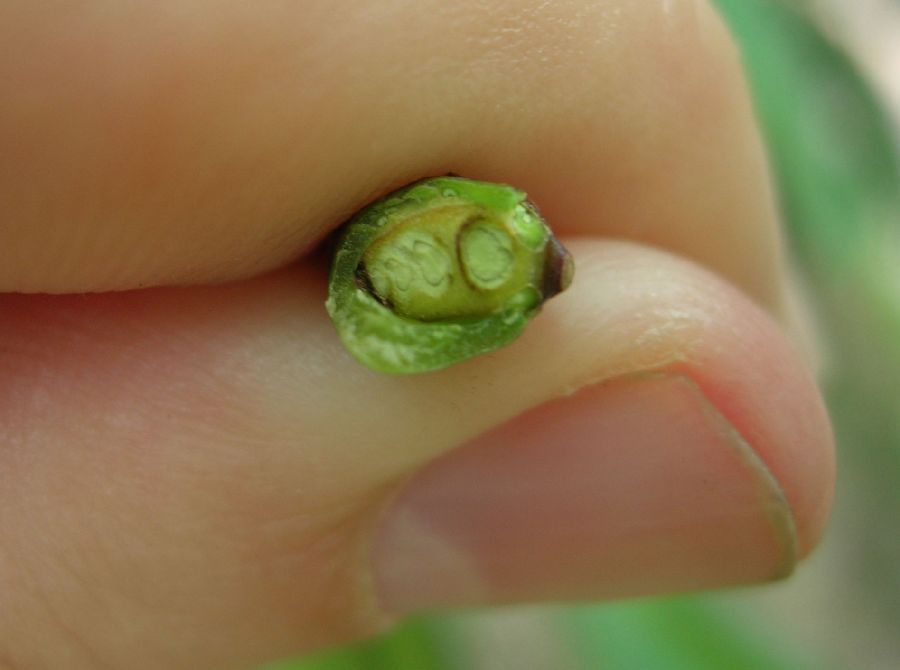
181	475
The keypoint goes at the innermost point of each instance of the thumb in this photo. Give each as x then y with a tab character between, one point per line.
205	475
675	444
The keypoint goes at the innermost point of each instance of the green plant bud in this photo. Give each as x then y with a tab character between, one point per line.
440	271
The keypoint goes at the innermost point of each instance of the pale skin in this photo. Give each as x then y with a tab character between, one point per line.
195	475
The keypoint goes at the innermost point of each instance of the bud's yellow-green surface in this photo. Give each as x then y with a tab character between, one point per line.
440	271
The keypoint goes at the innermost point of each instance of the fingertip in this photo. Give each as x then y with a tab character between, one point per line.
712	466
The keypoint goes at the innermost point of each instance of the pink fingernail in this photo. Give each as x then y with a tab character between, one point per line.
631	487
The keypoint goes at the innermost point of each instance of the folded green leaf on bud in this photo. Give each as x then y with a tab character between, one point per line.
440	271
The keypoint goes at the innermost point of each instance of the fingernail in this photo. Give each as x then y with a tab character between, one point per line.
631	487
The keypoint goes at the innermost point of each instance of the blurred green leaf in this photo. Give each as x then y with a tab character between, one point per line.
688	633
828	138
420	644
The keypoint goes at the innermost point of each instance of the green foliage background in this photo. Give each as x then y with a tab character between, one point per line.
834	156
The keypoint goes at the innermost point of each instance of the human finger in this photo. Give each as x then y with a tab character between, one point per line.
185	475
149	143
